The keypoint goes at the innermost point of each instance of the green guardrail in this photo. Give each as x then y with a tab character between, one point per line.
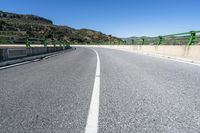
189	38
186	38
28	41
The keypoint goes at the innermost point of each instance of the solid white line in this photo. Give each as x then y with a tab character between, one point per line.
36	60
93	115
26	62
18	64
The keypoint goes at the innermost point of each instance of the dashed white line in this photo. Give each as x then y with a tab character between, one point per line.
93	115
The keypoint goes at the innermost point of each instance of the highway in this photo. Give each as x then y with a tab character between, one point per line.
126	93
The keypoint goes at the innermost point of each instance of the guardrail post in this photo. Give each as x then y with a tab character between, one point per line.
27	42
54	43
160	40
60	43
45	42
192	38
125	42
142	41
133	41
119	42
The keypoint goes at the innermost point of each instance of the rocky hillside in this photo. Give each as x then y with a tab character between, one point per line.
15	26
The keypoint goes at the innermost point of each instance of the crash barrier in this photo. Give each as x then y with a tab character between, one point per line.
183	51
14	44
13	53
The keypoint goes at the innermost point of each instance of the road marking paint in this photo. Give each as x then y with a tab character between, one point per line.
26	62
18	64
36	60
93	115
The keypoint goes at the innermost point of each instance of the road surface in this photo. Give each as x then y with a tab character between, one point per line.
136	93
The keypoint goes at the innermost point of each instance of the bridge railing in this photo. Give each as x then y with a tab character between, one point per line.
15	38
186	38
189	38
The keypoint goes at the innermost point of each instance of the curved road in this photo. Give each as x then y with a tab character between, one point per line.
138	93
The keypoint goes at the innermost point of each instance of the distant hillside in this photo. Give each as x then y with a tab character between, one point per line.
14	25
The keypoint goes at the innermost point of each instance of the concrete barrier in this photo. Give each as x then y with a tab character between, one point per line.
182	51
14	53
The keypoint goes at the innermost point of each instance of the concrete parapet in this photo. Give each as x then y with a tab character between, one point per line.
13	53
183	51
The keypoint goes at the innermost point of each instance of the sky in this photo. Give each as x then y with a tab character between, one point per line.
120	18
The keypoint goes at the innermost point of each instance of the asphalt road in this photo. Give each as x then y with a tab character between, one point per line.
138	93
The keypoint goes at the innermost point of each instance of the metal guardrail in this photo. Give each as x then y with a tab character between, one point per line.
189	37
45	42
186	38
11	38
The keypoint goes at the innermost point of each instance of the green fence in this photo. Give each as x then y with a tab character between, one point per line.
17	38
187	38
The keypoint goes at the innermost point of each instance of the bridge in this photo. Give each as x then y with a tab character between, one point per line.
143	86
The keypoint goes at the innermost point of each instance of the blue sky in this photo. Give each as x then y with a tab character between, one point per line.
121	18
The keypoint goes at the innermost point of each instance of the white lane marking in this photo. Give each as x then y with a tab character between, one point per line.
36	60
93	115
26	62
18	64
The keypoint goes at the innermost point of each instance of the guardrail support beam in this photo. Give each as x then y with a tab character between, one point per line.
192	38
142	41
27	42
45	42
133	41
160	40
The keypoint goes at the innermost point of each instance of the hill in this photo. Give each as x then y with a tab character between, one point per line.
15	26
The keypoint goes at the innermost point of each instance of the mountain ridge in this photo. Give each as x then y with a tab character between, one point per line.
40	27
